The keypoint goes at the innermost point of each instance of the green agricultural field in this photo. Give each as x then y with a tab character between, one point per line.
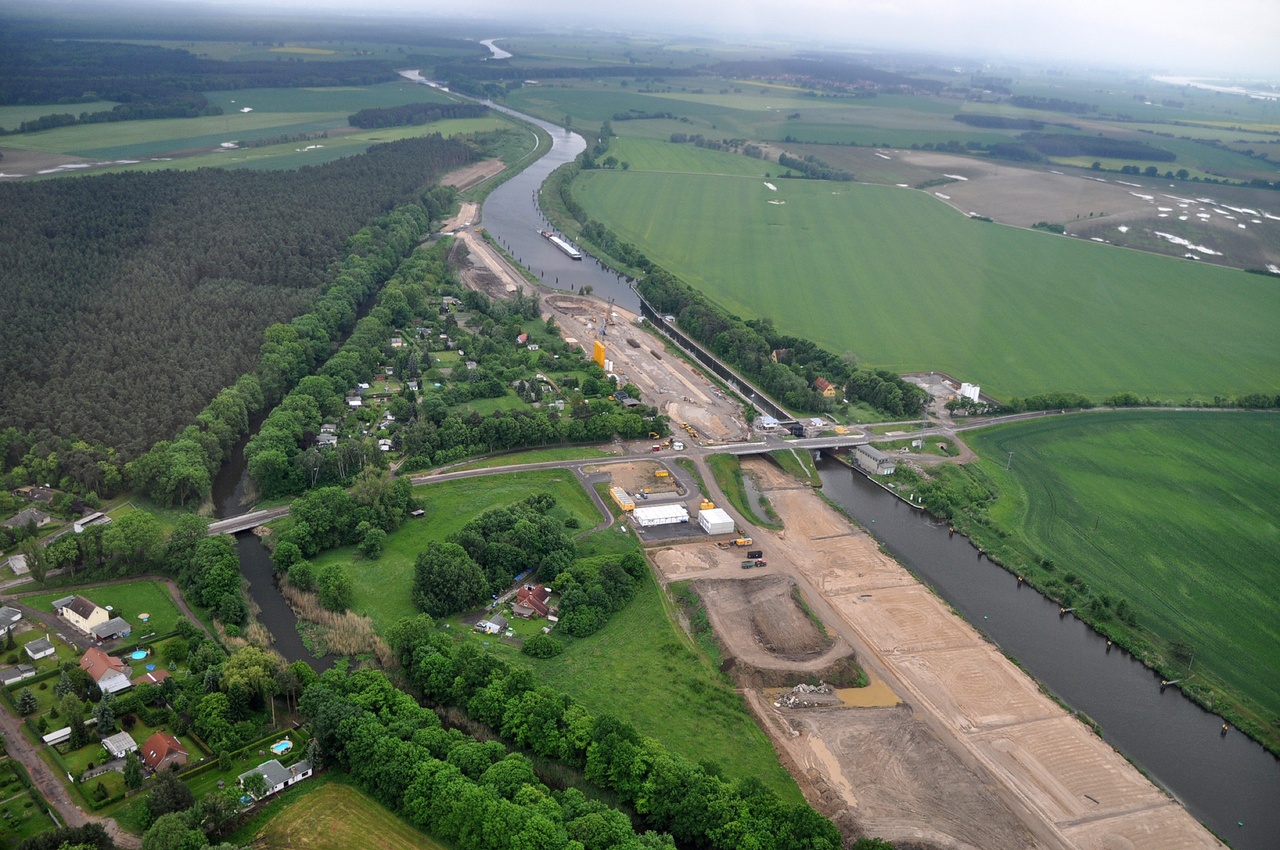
127	600
1173	512
643	668
909	284
383	588
11	117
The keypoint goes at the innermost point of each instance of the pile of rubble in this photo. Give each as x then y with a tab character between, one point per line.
808	696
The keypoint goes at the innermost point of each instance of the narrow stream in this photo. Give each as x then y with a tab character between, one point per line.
1228	782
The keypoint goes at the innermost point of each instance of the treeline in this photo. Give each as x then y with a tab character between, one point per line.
693	803
1052	104
55	71
641	115
810	166
473	795
824	69
414	113
190	105
998	122
592	590
132	299
1069	144
484	556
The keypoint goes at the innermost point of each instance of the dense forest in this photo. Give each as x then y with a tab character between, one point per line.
132	299
36	71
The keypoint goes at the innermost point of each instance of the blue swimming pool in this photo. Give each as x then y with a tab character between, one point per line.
281	747
138	654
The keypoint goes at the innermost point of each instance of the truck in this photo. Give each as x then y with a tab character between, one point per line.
742	541
757	562
746	565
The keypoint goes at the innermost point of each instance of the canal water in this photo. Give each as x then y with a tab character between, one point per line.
512	216
1228	782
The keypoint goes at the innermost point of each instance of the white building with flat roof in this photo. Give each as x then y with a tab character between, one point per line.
716	521
649	516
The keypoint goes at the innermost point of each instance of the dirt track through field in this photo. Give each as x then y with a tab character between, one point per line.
977	756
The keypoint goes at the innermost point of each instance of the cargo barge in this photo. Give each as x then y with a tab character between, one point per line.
574	253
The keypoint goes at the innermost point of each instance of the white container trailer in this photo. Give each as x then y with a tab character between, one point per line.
648	516
716	521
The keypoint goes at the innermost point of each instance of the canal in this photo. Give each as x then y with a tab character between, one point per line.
1228	782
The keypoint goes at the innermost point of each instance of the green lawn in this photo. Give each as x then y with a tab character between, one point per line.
383	588
127	600
537	456
909	284
641	667
327	813
1174	512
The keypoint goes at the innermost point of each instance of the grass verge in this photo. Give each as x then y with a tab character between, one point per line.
728	474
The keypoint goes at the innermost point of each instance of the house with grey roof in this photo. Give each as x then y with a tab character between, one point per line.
9	618
279	777
10	675
40	648
27	517
495	625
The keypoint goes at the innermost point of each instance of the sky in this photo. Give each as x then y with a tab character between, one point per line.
1221	38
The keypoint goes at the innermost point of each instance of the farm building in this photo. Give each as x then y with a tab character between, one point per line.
716	521
873	461
120	745
161	750
40	648
654	515
970	391
81	612
621	499
113	628
278	776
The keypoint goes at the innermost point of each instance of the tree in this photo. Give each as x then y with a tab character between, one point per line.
105	715
169	794
217	811
132	771
255	785
173	831
447	580
372	544
135	541
253	671
37	560
334	587
286	555
27	702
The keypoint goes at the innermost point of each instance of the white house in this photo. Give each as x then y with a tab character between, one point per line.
40	648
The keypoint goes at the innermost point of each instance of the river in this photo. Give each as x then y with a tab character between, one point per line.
1222	780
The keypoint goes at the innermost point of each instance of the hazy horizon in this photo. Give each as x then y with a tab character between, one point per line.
1230	38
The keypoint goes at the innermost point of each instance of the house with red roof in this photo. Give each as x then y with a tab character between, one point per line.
162	750
532	601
